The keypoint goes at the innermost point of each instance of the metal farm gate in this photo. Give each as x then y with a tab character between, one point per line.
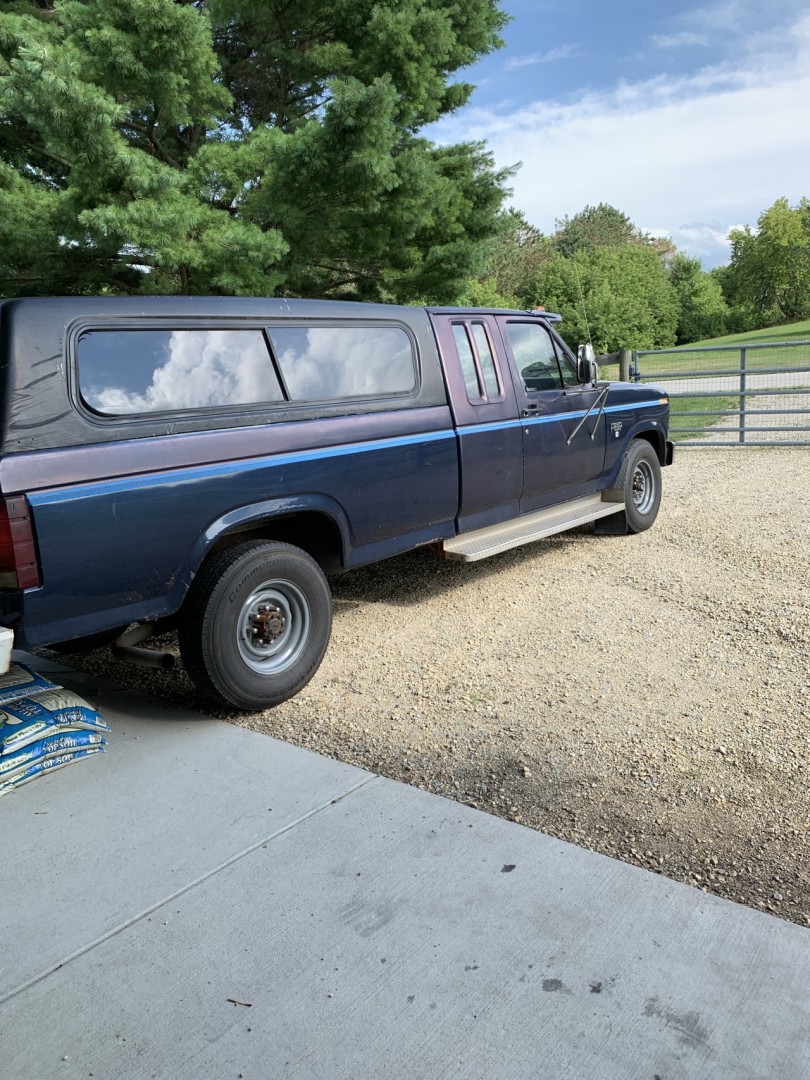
733	395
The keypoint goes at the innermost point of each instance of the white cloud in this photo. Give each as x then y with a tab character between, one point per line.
737	25
200	368
559	52
195	369
718	146
675	41
326	362
707	241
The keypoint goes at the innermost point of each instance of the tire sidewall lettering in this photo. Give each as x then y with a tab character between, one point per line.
239	586
246	579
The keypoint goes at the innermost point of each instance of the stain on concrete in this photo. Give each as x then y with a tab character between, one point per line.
364	918
688	1028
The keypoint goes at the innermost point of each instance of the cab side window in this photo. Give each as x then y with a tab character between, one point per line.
535	356
568	366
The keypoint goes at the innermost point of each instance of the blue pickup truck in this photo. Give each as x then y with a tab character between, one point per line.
205	463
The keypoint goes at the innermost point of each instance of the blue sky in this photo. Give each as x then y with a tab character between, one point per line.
691	118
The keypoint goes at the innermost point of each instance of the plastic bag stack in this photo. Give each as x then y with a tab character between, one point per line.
42	727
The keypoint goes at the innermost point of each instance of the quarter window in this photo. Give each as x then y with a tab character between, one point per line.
467	361
477	362
486	360
145	371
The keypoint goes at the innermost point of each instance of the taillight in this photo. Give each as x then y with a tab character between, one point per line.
18	555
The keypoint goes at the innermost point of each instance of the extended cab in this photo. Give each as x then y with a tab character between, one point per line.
205	462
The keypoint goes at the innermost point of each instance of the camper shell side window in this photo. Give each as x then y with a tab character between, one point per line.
137	370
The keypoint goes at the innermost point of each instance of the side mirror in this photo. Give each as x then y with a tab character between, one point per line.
587	368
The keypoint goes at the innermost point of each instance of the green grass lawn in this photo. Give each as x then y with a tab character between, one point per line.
685	423
684	360
790	357
798	331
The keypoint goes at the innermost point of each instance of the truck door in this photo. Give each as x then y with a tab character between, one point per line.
485	411
563	427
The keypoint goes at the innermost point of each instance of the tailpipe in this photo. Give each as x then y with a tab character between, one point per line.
126	647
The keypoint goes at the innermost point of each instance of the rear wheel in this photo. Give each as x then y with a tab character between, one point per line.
256	625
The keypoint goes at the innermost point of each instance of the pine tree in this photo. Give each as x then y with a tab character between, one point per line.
238	147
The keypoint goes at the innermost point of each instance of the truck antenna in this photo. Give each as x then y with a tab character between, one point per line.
582	300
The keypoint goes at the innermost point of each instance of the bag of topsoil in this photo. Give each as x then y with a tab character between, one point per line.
14	765
28	719
41	767
19	681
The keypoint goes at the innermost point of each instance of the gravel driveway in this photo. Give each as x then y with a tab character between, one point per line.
644	696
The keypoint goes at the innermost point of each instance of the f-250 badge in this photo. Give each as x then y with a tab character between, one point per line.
616	428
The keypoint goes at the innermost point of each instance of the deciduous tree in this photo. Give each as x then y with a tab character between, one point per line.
617	297
702	309
768	278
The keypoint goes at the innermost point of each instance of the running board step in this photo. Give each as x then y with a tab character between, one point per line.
471	546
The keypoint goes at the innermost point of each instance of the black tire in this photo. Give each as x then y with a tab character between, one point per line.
639	485
255	625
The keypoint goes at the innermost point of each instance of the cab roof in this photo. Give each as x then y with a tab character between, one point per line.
538	313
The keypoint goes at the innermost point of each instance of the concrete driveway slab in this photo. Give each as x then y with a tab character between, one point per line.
372	930
388	936
90	848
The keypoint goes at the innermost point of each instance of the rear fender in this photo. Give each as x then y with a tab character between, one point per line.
258	518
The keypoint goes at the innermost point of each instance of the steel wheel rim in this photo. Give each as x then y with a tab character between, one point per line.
643	487
273	627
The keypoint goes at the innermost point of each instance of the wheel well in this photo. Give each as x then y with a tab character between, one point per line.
314	533
657	442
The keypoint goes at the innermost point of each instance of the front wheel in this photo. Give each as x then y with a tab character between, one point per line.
639	481
637	486
256	625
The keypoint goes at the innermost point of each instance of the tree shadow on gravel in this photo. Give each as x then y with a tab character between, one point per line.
422	573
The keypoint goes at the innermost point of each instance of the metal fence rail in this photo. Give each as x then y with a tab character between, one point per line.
764	401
